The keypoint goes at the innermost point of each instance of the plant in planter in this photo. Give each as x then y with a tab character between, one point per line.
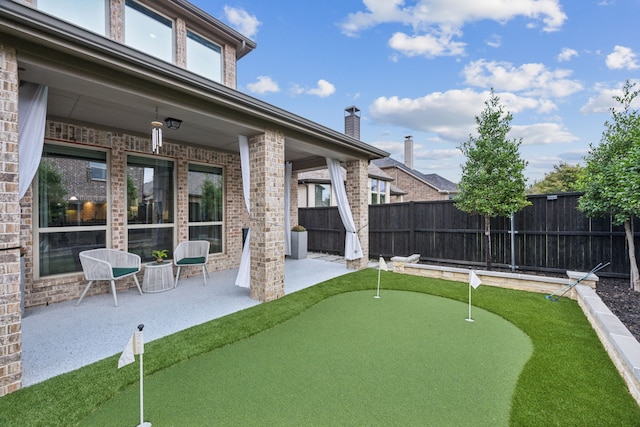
159	255
298	242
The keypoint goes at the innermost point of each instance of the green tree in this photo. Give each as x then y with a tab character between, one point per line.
493	182
211	201
52	194
563	179
612	174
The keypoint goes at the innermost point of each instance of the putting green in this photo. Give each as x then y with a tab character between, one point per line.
404	359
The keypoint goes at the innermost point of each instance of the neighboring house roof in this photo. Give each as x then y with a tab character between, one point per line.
322	175
441	184
395	191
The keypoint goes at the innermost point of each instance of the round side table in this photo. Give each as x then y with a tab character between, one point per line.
158	277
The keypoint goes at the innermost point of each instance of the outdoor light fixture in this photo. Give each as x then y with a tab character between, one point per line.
173	123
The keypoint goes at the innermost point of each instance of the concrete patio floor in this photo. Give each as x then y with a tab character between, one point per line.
63	337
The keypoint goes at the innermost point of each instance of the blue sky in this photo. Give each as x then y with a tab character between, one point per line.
425	67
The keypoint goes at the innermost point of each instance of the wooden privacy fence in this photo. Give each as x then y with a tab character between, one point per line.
551	235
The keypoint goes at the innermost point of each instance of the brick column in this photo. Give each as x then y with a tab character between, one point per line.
10	314
357	186
266	153
293	203
116	20
181	43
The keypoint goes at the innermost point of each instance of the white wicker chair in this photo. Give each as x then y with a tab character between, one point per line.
190	253
111	265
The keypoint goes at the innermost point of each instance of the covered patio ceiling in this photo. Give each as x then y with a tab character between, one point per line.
99	82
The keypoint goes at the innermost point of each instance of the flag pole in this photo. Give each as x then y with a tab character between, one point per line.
469	319
140	350
382	265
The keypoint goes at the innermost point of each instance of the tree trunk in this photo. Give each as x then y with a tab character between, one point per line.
487	233
635	277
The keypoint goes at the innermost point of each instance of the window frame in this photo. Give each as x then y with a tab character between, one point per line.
173	223
325	187
156	16
37	230
221	222
199	38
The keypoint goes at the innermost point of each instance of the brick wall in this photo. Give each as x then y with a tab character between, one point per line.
416	190
41	291
10	316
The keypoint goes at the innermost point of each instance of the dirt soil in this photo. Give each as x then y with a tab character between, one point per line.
622	301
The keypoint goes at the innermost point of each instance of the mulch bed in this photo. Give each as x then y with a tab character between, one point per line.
622	301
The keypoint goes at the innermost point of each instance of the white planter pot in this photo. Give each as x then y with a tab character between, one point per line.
298	244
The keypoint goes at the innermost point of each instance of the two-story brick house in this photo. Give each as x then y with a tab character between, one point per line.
100	72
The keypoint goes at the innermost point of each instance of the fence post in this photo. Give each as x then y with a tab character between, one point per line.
512	231
412	228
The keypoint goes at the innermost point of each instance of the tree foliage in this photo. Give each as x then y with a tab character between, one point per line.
611	180
211	200
53	193
493	182
564	178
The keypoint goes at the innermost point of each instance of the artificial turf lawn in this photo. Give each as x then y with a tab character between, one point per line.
568	381
404	359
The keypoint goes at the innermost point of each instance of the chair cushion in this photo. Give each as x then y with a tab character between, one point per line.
191	261
123	271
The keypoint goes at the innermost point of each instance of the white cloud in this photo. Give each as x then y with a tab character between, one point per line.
542	134
494	41
296	89
566	54
435	23
622	58
323	89
603	100
242	21
428	45
264	85
531	79
450	115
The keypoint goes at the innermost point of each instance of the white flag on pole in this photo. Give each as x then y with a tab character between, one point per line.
382	265
474	280
134	346
127	355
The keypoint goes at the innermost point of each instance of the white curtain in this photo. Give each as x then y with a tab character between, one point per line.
287	207
243	279
32	116
352	248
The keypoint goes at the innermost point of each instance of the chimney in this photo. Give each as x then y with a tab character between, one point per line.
408	151
352	122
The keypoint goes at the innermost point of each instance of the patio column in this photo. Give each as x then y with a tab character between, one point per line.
357	186
10	313
266	153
